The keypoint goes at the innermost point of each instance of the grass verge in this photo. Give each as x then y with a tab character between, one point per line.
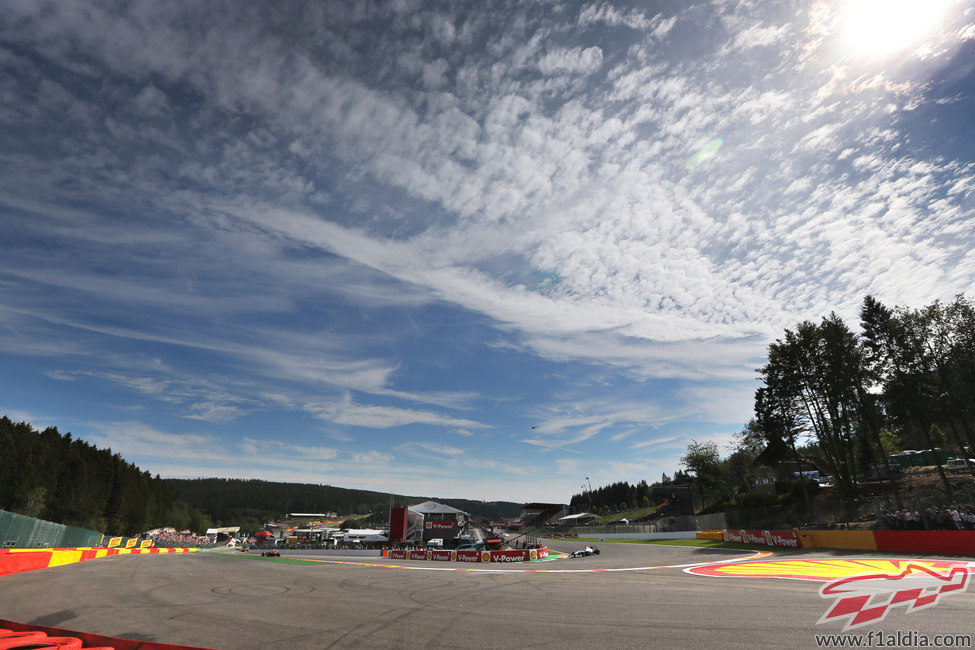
632	515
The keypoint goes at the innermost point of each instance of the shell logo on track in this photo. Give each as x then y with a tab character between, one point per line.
824	570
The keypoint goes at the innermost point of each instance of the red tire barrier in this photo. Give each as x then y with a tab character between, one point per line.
39	635
9	636
40	641
36	639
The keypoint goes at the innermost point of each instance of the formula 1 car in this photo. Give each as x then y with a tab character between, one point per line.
270	554
585	552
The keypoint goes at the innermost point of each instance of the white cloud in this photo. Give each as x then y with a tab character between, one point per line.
656	442
566	466
137	440
606	13
427	448
212	412
759	35
573	60
382	417
277	448
371	457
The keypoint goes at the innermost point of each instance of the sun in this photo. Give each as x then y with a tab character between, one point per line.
880	28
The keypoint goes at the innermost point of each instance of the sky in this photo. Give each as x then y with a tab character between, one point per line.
472	250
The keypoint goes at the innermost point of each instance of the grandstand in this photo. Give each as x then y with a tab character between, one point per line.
539	515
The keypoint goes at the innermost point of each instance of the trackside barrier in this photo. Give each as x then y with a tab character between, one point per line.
855	540
946	542
40	634
950	542
21	531
17	560
782	538
443	555
711	534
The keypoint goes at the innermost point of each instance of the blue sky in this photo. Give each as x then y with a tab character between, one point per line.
478	250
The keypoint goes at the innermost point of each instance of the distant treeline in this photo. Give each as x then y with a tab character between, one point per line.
55	477
251	503
615	497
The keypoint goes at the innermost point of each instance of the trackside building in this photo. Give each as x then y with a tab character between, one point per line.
425	521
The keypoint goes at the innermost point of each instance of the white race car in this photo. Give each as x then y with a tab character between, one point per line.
585	552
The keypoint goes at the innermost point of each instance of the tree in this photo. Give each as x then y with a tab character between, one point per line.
703	459
889	441
903	355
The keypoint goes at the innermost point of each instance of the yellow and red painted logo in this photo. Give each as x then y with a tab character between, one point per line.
821	570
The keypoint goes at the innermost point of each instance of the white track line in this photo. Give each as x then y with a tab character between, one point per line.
754	555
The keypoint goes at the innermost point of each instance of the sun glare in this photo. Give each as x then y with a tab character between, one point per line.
885	27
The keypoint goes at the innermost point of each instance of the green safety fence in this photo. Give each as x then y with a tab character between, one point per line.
923	458
20	531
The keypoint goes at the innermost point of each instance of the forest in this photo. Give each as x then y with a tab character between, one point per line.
846	400
56	477
615	497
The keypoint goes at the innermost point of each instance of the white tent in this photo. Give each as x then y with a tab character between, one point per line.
434	508
579	518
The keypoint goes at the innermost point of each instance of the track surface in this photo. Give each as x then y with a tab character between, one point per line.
233	602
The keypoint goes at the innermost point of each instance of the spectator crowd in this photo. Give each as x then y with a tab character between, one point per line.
941	518
169	537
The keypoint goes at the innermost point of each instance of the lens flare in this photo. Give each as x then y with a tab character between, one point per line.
884	27
707	151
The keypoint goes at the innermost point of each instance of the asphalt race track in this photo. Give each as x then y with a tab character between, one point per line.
235	602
